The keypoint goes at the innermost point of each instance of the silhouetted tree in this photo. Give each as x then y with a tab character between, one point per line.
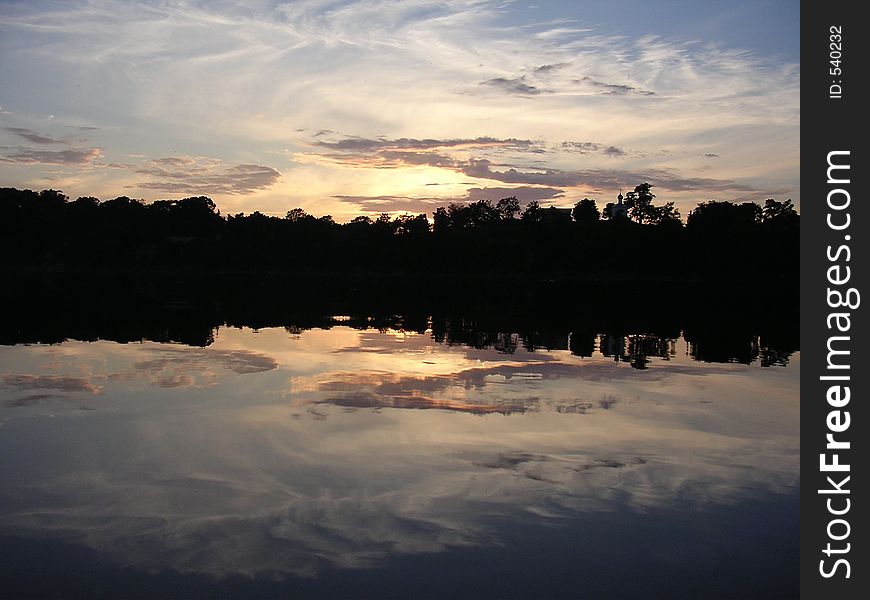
724	216
361	220
553	215
508	208
533	212
666	215
721	239
585	211
639	203
779	212
440	220
297	215
481	213
411	225
87	201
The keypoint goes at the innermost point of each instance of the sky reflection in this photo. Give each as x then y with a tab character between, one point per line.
289	453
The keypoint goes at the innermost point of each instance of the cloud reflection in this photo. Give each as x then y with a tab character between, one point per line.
240	486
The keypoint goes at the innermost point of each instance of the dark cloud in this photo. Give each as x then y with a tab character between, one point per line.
175	161
516	86
711	155
481	169
545	69
612	89
50	382
582	147
432	159
378	204
70	156
674	183
604	180
592	148
32	136
359	144
384	153
523	193
185	175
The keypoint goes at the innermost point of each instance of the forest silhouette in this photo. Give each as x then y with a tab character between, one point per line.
720	240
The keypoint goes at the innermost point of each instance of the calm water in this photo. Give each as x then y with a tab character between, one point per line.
378	463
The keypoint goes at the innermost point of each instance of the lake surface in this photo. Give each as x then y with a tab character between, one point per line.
343	461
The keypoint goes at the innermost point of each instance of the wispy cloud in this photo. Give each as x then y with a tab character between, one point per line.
32	136
546	69
358	144
516	86
592	148
482	169
205	176
614	88
69	157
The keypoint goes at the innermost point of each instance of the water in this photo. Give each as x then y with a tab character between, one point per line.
352	462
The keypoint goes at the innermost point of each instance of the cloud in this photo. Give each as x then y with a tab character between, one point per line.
385	153
711	155
592	148
359	144
546	69
204	176
70	156
606	179
612	89
481	169
516	86
32	136
379	204
50	382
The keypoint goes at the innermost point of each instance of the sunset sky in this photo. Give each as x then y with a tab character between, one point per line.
346	108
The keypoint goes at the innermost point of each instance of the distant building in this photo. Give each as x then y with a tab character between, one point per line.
619	210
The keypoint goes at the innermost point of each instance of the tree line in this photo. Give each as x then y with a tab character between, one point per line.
719	239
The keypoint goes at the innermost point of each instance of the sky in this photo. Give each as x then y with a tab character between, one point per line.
363	107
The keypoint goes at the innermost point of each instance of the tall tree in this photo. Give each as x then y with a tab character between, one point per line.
639	203
585	211
508	208
533	212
